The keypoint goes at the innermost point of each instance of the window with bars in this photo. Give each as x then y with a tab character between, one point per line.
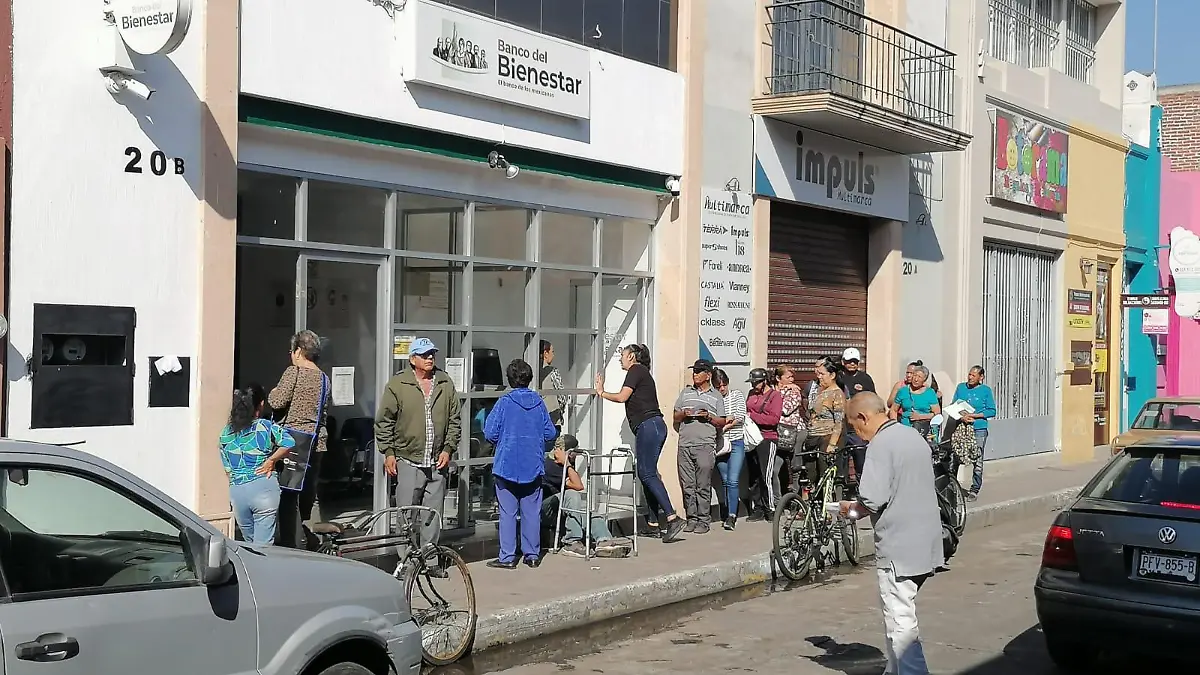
1060	34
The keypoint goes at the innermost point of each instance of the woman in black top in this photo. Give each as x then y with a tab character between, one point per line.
645	418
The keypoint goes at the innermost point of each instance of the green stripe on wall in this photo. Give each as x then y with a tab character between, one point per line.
280	115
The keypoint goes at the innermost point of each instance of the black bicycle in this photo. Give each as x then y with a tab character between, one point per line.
806	532
444	610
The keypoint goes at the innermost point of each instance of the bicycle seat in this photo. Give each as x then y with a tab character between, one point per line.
325	528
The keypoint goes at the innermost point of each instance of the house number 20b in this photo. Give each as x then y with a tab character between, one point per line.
159	162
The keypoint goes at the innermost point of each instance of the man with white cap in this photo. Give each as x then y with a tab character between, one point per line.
417	429
854	381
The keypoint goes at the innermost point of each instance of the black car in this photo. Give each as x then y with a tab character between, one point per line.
1119	568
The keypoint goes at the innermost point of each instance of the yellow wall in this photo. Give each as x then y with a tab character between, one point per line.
1095	233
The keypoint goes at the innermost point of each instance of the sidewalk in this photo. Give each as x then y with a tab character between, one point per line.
566	592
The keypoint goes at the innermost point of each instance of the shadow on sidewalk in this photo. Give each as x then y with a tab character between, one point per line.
853	658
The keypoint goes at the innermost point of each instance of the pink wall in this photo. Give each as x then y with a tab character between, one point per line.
1180	207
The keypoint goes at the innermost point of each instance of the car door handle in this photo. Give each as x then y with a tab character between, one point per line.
48	647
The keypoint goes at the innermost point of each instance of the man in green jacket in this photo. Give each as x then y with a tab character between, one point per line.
417	429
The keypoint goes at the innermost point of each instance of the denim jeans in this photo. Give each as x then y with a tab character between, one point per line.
730	468
573	500
651	436
255	507
977	471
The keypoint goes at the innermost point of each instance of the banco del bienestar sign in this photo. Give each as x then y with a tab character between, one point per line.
480	57
152	26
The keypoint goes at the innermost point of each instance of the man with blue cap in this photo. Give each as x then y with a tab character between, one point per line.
417	429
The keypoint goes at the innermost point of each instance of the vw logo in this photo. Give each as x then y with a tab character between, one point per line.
1167	535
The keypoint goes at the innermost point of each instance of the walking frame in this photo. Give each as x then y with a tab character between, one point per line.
595	464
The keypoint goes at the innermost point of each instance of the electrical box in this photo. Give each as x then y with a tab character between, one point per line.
82	366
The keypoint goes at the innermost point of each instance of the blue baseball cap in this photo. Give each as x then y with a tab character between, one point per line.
421	346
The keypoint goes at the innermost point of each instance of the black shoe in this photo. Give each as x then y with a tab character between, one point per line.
501	565
653	531
700	528
532	563
768	515
756	516
690	526
730	523
672	530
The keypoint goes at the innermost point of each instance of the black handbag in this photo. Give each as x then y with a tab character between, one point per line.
790	435
295	464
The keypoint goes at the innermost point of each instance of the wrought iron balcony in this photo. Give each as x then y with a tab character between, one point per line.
837	70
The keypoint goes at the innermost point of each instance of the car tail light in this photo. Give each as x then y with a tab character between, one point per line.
1059	551
1180	505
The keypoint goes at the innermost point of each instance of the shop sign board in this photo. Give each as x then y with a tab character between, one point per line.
1029	164
1184	262
1145	301
805	166
1079	302
726	292
1155	321
481	57
152	26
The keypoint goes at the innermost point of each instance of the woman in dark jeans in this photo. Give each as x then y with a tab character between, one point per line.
640	397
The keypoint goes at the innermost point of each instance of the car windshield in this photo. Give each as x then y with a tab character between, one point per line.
1150	476
1169	417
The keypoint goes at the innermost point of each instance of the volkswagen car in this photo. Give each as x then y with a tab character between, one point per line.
1119	566
1159	417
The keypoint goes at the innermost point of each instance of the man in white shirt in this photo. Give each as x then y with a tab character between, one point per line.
897	490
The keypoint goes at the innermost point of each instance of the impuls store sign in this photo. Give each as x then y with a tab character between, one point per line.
477	56
725	289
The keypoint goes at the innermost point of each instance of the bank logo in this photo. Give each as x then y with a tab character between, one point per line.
743	345
458	52
849	180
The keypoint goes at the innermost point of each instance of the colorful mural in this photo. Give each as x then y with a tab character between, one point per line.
1030	166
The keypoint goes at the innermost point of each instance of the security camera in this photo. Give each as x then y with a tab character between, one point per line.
673	185
120	84
511	171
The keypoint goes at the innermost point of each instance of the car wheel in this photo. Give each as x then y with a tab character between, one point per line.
1072	656
347	668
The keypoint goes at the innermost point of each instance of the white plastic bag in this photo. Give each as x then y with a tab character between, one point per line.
751	433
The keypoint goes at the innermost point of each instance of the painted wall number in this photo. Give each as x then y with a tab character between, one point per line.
909	268
159	162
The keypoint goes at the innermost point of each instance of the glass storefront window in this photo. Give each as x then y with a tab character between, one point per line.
625	244
339	213
266	205
501	232
566	299
449	344
567	239
622	304
499	295
573	358
429	224
428	292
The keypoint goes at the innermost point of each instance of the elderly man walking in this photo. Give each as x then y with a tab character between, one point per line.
898	492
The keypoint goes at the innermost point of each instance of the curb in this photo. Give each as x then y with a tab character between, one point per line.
526	622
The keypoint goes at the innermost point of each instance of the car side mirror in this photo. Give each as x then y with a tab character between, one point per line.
209	555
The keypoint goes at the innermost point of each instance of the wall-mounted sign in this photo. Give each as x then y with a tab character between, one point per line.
1184	261
1079	302
1155	321
1029	163
805	166
1100	360
1145	301
1080	322
152	26
478	56
725	289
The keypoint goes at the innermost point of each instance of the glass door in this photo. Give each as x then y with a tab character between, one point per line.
345	304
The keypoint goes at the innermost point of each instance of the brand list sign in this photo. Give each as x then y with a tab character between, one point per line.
725	289
806	166
478	56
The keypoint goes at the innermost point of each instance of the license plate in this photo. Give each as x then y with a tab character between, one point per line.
1169	566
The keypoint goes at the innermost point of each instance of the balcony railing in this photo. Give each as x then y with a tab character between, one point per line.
823	46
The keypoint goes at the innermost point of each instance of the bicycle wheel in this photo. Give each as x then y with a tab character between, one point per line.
956	500
850	541
446	614
793	533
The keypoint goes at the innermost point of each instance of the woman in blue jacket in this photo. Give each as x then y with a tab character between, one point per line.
519	426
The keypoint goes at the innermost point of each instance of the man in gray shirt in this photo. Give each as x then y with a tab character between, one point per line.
898	492
699	413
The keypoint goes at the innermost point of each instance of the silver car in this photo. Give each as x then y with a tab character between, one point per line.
1119	567
102	574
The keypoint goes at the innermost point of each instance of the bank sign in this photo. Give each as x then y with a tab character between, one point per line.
801	165
725	289
480	57
1029	164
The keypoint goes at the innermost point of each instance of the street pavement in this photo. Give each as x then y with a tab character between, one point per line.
976	619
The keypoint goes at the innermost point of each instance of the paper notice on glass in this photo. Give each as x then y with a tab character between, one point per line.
456	369
400	345
343	385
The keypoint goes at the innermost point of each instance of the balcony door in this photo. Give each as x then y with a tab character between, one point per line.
818	47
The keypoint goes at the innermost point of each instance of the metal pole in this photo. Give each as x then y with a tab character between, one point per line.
1155	38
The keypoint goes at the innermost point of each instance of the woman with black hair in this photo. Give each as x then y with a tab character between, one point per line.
908	373
250	445
826	419
645	417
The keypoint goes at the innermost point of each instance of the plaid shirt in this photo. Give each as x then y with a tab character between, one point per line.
428	461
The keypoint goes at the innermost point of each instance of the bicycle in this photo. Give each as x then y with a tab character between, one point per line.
804	535
415	571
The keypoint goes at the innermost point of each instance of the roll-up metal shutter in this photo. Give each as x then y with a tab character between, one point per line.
818	287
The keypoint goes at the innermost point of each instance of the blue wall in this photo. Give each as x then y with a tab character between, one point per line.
1143	183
